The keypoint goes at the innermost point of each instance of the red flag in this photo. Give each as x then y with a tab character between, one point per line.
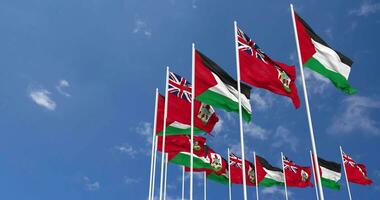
356	173
178	143
259	70
236	170
296	176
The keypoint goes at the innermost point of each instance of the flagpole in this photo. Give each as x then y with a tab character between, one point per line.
240	113
345	173
229	175
257	183
192	119
204	185
164	133
183	182
283	169
151	184
166	174
154	166
315	180
307	106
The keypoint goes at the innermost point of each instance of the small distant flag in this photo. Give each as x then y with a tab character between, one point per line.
356	173
295	175
330	173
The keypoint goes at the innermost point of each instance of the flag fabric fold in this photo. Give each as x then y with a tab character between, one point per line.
269	175
330	173
259	70
236	171
216	87
320	57
295	175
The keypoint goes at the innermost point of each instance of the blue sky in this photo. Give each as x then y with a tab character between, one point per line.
77	88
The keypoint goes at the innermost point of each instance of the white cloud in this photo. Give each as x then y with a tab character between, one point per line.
355	114
129	180
194	4
275	191
145	129
256	131
262	100
127	149
41	97
62	84
141	27
283	137
218	127
316	83
91	185
366	8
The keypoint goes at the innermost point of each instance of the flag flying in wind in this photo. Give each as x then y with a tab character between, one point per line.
179	110
216	87
269	175
356	173
330	173
259	70
219	175
236	171
178	143
317	55
295	175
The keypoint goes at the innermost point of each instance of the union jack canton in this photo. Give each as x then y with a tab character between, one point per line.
179	86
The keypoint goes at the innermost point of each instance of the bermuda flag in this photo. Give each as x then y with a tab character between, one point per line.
216	87
269	175
295	175
220	176
356	173
178	143
330	173
236	170
179	110
259	70
317	55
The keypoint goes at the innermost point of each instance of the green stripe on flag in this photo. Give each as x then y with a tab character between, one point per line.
220	179
330	184
183	158
219	101
267	182
337	79
178	131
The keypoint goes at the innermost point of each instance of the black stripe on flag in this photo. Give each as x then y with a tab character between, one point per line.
329	165
266	164
315	37
223	75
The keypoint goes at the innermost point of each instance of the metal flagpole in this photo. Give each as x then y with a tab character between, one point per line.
151	184
154	166
183	182
283	169
166	174
192	119
240	113
257	183
164	133
229	175
345	173
307	106
315	180
204	185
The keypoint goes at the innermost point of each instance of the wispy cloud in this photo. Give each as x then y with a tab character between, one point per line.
141	27
42	98
145	129
256	131
62	85
355	114
262	100
218	127
275	191
130	180
127	149
283	137
91	185
194	4
366	8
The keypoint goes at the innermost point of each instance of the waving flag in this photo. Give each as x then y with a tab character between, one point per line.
269	175
216	87
330	173
236	171
178	143
259	70
295	175
356	173
317	55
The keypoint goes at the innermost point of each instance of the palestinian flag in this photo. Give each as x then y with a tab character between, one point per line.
179	110
259	70
178	143
269	175
236	170
330	173
317	55
356	173
216	87
296	176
